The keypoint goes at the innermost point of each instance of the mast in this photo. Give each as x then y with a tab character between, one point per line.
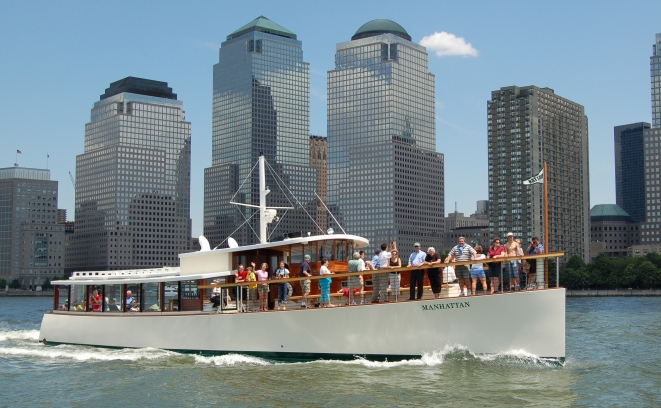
262	201
546	226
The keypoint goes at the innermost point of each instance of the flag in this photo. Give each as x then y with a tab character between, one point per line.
18	151
539	178
47	155
15	164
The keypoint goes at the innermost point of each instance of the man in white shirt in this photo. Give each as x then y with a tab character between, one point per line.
380	281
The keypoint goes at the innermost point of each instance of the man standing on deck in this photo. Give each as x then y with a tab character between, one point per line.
240	276
434	274
353	282
459	253
512	248
417	258
305	284
381	281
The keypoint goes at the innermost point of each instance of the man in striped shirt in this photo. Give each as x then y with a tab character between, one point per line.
462	252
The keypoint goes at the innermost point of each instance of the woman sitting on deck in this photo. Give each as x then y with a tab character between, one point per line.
325	284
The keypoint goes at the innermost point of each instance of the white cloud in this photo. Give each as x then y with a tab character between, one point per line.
447	44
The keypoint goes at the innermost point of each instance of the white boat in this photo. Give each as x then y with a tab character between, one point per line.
169	309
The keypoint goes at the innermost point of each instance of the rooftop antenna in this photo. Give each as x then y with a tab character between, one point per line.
455	206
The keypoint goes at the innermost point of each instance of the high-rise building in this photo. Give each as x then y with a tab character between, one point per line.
31	240
528	126
261	105
651	228
385	176
319	160
133	180
630	169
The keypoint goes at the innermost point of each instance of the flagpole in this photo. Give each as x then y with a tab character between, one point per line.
546	225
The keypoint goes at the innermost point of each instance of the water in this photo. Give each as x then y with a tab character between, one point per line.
612	360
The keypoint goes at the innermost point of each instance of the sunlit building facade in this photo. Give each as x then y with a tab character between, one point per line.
385	177
133	180
261	105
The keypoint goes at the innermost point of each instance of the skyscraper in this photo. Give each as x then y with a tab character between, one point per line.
31	240
133	180
261	105
385	176
630	169
528	126
319	160
651	229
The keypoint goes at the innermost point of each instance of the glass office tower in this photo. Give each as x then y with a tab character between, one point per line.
385	176
261	105
630	169
133	181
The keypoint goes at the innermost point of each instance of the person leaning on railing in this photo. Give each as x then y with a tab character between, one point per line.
417	258
354	282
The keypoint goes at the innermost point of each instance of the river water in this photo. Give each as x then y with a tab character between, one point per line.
613	359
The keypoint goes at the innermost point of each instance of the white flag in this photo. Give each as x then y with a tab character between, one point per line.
539	178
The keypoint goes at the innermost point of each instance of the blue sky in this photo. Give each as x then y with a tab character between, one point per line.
56	58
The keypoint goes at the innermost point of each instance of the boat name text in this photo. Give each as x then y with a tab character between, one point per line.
444	306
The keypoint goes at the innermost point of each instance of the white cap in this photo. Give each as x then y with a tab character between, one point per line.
509	234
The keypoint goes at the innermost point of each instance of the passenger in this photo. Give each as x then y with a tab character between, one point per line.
240	276
215	294
477	271
282	273
263	288
252	289
362	260
395	277
129	299
354	282
495	268
535	248
375	265
434	274
95	301
305	271
380	281
65	306
325	284
459	253
113	306
134	306
512	249
417	258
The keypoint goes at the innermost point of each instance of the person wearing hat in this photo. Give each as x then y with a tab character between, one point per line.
417	258
305	271
512	248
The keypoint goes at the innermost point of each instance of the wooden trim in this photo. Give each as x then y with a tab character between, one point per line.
56	298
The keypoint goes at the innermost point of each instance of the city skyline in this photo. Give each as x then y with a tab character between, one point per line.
599	62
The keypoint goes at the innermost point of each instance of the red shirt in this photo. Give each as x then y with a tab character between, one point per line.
498	251
241	275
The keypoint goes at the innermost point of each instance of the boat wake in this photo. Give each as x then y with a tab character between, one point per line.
25	343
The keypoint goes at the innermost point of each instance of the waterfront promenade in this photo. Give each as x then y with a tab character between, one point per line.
614	292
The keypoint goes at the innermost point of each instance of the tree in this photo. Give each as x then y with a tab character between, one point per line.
623	278
573	278
575	262
649	274
46	285
15	284
599	271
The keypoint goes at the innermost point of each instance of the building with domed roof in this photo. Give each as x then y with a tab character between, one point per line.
612	231
385	175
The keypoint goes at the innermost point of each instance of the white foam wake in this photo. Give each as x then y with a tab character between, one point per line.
232	360
79	353
32	335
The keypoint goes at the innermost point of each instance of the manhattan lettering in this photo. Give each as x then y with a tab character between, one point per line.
445	306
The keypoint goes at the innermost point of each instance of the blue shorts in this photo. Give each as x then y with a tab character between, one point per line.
478	273
512	269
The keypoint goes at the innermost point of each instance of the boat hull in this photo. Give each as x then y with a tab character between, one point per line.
532	321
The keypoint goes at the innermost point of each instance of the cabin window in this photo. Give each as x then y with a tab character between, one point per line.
94	298
77	298
113	298
189	289
296	254
171	296
63	297
341	251
133	299
151	295
327	250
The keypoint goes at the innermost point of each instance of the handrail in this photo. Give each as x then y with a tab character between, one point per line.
380	271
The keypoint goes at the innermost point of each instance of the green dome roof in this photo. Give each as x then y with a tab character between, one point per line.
380	26
612	212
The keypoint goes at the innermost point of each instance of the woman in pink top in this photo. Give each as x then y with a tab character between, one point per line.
263	288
